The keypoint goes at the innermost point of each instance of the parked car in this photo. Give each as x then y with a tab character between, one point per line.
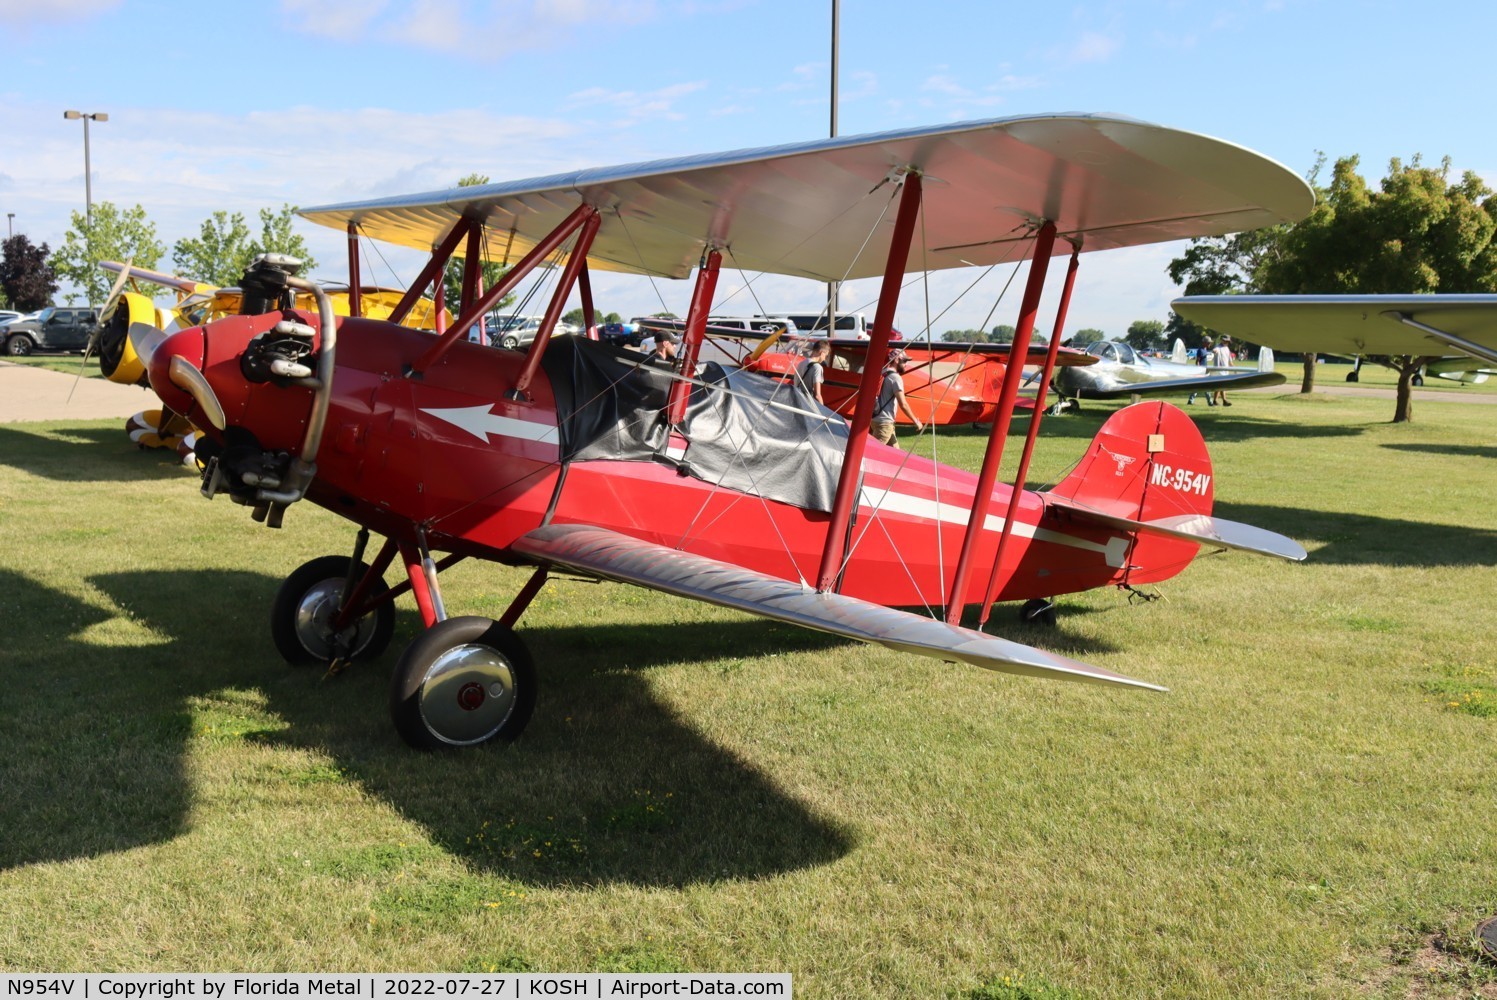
618	334
53	329
511	331
8	316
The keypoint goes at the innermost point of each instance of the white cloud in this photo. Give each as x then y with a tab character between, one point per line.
343	20
24	12
502	27
1093	46
631	106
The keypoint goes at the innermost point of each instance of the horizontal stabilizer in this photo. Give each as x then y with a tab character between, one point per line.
610	555
1201	528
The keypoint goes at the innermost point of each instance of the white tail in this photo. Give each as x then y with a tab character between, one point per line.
1178	354
1265	359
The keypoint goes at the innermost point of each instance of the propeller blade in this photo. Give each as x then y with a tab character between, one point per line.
186	376
111	303
765	344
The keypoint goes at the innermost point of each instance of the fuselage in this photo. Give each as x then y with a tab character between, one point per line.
447	450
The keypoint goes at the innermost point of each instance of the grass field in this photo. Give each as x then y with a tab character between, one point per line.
1308	813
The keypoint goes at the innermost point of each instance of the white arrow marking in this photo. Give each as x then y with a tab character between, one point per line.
480	422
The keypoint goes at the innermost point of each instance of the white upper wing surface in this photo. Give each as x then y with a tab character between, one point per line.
808	208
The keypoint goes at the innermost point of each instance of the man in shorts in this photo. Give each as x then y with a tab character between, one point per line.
890	395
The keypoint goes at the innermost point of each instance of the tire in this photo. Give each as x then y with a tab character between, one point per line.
509	342
1417	380
463	682
305	604
19	345
1352	376
1038	612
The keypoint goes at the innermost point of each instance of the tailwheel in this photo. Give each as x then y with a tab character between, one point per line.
1038	612
302	615
463	682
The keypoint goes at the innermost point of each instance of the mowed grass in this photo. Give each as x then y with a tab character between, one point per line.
1308	812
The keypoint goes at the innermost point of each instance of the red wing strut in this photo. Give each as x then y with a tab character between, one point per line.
603	553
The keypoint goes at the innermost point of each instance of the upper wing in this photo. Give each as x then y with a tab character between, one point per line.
608	554
806	208
1354	324
185	285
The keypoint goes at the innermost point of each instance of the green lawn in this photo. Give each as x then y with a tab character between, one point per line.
1308	813
68	364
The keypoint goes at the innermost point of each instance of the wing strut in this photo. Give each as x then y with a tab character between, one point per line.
355	283
878	344
1039	262
1034	429
575	261
696	329
1448	339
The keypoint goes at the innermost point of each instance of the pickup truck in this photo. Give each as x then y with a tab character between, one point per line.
53	329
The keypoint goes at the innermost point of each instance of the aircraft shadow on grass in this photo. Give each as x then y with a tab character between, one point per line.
623	787
86	455
1362	539
1458	450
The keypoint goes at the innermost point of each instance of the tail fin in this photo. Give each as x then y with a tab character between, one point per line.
1148	473
1178	355
1265	359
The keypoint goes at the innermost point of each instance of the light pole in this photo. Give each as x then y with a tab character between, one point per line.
10	224
88	176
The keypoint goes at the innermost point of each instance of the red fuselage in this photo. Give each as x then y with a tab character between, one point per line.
447	450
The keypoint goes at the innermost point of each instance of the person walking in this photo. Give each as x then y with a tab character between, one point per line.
1223	359
811	372
890	395
1203	357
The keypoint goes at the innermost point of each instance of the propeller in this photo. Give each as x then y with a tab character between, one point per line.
110	305
766	344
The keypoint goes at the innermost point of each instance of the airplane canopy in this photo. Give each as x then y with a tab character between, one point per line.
1351	324
807	209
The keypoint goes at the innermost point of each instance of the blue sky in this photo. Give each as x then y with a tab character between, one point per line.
240	106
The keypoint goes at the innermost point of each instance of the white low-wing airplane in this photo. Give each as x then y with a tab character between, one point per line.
1448	330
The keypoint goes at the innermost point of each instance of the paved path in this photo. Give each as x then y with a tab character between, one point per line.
29	393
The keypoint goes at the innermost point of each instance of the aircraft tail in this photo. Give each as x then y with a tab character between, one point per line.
1148	473
1265	359
1178	355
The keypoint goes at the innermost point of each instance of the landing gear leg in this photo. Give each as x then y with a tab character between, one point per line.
1039	611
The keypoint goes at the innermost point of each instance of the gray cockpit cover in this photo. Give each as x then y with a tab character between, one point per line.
744	431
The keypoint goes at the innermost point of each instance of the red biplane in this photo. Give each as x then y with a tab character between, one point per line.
720	485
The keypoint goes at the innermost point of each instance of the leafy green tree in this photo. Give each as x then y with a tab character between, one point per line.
25	275
1144	334
113	235
965	336
1083	338
276	236
1002	334
1420	232
219	254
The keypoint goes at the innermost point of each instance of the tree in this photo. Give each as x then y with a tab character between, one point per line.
965	336
1419	232
1002	334
25	275
113	235
276	237
219	254
1144	334
1082	338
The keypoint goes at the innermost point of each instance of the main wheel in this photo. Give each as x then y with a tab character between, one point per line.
1417	380
1038	612
302	614
19	345
1352	376
463	682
